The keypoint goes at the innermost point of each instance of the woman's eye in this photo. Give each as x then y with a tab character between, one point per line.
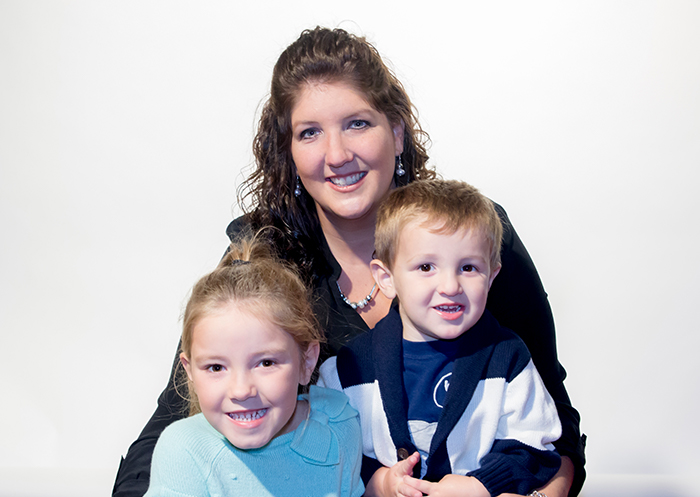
308	133
358	124
424	268
468	268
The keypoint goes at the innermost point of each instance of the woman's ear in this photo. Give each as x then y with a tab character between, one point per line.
308	362
398	137
186	364
382	275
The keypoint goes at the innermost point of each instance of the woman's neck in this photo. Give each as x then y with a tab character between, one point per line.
352	244
350	241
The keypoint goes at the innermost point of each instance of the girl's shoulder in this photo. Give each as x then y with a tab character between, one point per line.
193	434
331	403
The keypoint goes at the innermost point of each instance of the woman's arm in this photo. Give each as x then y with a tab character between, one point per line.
519	302
135	470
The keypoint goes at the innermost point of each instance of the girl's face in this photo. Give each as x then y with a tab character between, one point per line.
245	372
344	150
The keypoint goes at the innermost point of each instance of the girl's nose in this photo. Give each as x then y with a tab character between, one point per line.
241	387
337	151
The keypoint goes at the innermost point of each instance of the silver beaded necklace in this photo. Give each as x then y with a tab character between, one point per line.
362	303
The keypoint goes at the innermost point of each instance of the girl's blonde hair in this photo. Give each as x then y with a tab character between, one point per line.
251	277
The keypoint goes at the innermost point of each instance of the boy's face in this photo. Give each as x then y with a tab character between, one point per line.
442	280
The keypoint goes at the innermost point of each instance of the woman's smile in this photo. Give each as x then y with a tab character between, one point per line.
344	150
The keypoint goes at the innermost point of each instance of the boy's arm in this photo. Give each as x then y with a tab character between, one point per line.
520	459
448	486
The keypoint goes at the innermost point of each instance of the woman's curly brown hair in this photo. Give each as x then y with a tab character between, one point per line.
326	56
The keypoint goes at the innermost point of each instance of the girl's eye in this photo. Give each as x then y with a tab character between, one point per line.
424	268
266	363
358	124
468	268
215	368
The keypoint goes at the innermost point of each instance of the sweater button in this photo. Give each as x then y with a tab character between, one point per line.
402	453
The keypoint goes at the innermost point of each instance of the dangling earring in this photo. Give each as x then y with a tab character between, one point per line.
297	190
399	166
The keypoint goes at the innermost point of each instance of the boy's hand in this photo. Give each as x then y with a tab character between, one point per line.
449	486
389	482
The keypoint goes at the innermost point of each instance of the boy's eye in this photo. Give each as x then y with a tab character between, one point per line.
468	268
424	268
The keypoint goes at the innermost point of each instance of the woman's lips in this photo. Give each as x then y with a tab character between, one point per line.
348	180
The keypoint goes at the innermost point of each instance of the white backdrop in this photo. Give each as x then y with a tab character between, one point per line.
125	128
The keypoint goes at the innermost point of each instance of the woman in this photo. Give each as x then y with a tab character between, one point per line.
336	135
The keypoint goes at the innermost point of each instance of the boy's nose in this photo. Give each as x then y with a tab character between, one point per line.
449	284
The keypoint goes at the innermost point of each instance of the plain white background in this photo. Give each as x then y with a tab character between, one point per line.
125	128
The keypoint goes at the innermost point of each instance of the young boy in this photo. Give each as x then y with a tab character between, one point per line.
443	391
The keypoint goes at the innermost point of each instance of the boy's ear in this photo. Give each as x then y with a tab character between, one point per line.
309	360
383	277
494	273
186	364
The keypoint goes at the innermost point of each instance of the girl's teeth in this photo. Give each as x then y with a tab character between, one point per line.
347	180
248	415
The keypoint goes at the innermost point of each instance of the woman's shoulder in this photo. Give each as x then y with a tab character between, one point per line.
239	226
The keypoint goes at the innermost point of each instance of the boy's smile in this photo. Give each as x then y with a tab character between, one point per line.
442	280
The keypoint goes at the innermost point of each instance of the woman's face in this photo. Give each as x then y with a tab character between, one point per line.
344	151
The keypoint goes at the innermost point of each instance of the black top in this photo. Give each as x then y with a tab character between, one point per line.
517	299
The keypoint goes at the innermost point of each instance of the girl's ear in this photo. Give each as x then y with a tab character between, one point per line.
186	364
308	362
382	275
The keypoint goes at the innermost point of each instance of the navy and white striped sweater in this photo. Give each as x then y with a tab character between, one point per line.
498	422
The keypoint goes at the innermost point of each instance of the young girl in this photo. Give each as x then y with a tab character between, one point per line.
249	340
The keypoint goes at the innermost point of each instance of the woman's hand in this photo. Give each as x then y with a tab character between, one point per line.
559	485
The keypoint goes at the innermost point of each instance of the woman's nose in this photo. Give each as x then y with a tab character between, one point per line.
337	151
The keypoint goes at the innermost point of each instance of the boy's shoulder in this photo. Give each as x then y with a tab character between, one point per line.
356	361
508	353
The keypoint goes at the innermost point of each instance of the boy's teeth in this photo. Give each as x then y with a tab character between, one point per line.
346	180
248	415
449	308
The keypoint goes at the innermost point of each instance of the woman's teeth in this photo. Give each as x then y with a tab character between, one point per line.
346	180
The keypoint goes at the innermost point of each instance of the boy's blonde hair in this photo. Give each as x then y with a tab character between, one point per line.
251	277
455	204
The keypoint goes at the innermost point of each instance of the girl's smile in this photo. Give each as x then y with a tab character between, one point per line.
246	372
